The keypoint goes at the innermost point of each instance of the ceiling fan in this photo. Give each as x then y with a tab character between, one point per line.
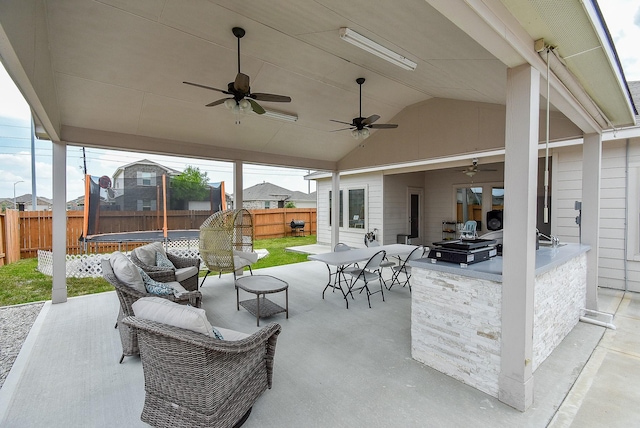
242	99
360	126
473	169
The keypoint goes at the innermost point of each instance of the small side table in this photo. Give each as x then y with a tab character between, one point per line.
262	285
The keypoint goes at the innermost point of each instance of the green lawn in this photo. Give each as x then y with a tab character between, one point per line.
20	282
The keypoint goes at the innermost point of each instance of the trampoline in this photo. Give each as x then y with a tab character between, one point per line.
133	209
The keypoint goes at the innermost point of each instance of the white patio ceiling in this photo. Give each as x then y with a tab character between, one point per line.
115	70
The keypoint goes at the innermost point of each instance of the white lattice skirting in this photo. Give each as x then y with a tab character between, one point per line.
90	265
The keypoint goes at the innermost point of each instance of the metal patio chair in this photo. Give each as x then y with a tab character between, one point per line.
405	269
370	272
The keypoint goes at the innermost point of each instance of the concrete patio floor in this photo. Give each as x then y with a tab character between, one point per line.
334	367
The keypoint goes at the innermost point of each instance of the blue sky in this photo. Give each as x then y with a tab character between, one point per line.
622	18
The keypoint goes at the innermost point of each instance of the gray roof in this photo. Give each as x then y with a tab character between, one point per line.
271	192
169	170
26	199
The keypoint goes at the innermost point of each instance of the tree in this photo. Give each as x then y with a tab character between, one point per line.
191	185
290	204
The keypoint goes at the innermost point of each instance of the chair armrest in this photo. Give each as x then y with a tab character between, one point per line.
194	298
162	275
267	335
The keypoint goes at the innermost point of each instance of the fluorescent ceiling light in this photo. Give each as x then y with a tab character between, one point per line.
380	51
279	115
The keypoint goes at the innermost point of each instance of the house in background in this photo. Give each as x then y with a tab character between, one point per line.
266	195
25	203
137	186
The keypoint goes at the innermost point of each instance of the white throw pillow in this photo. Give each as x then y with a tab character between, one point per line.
126	271
147	253
250	256
171	313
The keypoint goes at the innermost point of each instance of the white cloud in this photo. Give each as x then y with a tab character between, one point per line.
623	20
13	104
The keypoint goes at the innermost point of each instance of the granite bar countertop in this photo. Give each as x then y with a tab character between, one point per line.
547	258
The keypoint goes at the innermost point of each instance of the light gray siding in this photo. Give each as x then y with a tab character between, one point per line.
373	183
613	270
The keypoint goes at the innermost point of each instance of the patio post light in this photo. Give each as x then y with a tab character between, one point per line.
15	206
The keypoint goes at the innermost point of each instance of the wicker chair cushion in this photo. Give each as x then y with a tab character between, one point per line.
147	253
250	256
167	312
155	287
126	271
231	335
186	273
163	261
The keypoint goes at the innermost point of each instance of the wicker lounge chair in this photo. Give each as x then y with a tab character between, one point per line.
128	295
184	272
226	242
192	380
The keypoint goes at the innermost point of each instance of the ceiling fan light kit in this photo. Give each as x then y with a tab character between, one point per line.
356	39
360	134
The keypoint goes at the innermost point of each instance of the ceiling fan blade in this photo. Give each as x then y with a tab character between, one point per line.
487	170
369	120
208	87
383	126
343	129
241	83
218	102
339	121
256	107
271	98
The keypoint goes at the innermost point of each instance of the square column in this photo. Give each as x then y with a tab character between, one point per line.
238	197
59	223
590	228
518	276
335	209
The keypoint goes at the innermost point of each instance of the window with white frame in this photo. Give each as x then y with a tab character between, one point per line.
340	210
146	204
356	209
146	178
356	213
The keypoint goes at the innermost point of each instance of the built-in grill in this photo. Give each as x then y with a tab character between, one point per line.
463	251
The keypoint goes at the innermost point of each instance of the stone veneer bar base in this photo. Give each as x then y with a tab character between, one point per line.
456	320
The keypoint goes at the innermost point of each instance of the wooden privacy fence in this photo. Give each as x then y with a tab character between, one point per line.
23	233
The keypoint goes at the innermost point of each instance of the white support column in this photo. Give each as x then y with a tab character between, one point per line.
590	229
335	208
518	275
238	198
59	232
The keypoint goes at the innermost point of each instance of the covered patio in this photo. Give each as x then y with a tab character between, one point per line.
333	367
110	74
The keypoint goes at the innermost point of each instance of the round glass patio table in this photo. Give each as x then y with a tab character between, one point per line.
262	285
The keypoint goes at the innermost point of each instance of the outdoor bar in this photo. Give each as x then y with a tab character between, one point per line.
456	312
